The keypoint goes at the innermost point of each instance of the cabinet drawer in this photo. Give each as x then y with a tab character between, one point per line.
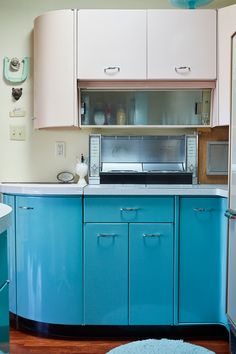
128	209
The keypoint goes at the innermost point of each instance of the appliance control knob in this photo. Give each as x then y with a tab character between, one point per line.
191	168
94	169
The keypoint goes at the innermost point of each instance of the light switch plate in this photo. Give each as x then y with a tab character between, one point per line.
17	112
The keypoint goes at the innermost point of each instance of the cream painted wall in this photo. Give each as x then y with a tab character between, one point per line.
34	159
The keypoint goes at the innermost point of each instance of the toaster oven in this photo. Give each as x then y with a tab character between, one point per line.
143	159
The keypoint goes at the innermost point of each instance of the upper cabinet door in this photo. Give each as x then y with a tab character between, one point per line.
112	44
226	28
55	95
182	44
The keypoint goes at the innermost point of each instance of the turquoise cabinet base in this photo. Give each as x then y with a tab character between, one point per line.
151	274
201	260
106	274
137	261
49	259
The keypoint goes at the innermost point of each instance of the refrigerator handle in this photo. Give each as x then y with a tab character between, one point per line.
230	214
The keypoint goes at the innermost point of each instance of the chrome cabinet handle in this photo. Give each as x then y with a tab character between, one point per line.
106	235
230	214
25	208
129	209
182	69
112	70
202	210
151	235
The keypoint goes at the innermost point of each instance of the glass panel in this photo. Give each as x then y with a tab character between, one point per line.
150	107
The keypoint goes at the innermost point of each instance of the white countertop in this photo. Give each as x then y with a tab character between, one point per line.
41	188
5	217
157	189
114	189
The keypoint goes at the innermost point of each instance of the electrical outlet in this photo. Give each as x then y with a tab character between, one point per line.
17	132
60	148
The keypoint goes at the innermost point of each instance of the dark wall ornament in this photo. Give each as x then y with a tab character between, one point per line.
17	93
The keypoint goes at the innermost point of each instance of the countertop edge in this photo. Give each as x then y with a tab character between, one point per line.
96	190
199	190
41	189
5	217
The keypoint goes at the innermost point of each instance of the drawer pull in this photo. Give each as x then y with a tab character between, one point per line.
25	208
129	209
182	69
201	210
151	235
112	70
106	235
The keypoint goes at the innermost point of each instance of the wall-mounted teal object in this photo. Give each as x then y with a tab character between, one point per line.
11	65
190	4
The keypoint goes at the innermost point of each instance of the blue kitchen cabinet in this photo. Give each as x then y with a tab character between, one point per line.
11	237
128	276
151	249
202	249
106	274
49	259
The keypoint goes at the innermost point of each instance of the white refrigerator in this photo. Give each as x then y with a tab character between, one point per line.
231	212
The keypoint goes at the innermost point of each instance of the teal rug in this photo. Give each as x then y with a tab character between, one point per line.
162	346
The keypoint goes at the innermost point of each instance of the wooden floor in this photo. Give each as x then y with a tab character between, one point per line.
21	343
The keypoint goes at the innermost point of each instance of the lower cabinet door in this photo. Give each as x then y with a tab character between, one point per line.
4	319
200	260
151	274
106	274
49	259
